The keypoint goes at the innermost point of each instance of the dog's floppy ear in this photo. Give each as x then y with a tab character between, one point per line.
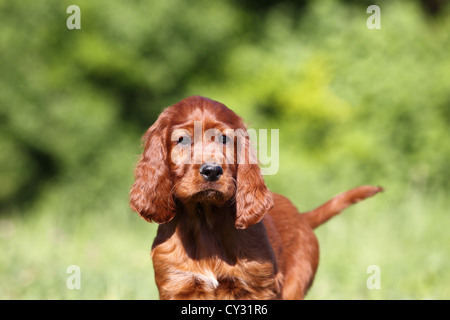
253	199
150	195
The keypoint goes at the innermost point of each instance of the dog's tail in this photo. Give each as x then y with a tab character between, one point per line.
331	208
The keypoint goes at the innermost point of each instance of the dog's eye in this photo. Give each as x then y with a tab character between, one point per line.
224	139
184	140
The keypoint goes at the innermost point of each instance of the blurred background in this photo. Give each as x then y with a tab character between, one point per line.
354	106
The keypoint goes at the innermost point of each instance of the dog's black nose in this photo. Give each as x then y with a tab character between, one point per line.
211	171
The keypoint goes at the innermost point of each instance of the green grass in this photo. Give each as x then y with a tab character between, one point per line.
407	238
111	249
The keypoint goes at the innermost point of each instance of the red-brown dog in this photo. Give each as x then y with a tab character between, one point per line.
222	233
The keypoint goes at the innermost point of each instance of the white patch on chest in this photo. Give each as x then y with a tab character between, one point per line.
205	276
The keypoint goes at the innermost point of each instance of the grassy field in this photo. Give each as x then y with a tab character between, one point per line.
406	237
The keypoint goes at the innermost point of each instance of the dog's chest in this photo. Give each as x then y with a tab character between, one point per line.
208	267
223	282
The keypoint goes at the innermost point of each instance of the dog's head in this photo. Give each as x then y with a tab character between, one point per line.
198	151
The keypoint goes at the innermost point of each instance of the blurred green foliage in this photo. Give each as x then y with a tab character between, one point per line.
353	105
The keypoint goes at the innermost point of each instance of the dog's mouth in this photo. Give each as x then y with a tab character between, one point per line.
209	195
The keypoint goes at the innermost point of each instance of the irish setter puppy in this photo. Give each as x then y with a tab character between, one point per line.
222	233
